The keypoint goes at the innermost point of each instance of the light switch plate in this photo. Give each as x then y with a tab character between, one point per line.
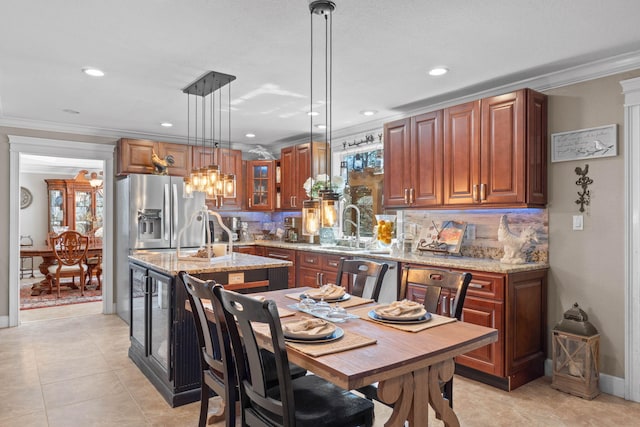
578	223
470	232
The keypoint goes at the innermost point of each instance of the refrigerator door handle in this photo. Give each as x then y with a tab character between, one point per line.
174	229
165	220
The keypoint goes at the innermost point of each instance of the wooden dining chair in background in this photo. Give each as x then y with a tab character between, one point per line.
434	281
70	250
317	403
359	273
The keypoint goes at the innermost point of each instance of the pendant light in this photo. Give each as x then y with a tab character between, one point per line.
210	179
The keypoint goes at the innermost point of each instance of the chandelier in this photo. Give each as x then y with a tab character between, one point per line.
322	214
204	128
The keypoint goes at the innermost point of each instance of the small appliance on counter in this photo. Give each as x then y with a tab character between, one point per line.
292	228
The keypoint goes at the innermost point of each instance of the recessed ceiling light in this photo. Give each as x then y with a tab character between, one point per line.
250	135
70	111
321	126
313	113
166	124
93	72
368	112
438	71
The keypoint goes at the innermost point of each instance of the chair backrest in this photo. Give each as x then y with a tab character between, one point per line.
257	406
358	271
70	247
435	280
216	355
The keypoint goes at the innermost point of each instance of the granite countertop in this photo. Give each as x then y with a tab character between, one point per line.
447	261
169	263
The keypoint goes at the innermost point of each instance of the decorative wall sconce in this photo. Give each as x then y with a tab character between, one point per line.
584	182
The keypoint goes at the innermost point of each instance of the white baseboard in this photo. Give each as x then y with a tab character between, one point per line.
608	383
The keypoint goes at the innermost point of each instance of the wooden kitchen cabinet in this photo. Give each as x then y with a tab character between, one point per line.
316	269
515	305
495	151
283	254
413	150
261	185
297	164
134	156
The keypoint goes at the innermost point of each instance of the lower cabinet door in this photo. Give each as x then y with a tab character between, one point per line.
307	277
160	320
487	313
138	320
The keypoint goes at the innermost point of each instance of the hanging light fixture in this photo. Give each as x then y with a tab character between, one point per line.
209	180
329	199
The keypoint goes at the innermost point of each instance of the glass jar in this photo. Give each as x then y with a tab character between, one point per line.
384	230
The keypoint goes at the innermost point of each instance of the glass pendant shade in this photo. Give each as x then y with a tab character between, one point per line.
187	188
329	202
229	186
311	217
213	174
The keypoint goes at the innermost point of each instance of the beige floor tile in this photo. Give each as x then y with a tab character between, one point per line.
74	365
35	419
17	399
81	389
116	411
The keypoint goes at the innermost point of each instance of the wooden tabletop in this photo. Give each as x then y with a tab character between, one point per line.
395	353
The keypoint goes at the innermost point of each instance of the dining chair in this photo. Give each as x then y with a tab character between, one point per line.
434	280
70	250
304	401
218	367
216	358
359	272
94	263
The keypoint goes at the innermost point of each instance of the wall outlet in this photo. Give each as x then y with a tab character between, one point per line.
470	232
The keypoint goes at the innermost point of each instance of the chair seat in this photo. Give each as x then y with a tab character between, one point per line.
67	268
321	403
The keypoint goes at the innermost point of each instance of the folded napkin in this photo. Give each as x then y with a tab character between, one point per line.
404	308
328	291
308	328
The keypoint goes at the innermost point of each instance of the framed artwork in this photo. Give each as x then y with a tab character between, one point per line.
584	144
447	237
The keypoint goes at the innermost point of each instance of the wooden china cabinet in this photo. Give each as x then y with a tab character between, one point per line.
298	163
74	203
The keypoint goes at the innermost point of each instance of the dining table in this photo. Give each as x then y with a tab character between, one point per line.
49	259
408	360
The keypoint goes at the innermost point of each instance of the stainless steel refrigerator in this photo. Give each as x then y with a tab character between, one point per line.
150	212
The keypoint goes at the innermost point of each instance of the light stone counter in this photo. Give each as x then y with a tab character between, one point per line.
445	261
169	263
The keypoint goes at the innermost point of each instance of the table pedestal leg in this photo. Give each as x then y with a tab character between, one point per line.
412	393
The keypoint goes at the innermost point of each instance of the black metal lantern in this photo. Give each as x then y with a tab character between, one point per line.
576	355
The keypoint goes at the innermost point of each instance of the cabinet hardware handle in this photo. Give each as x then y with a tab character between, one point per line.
483	192
278	256
412	195
474	193
475	286
406	195
249	201
295	201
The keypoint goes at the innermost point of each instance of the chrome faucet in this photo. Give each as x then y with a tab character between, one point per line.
357	225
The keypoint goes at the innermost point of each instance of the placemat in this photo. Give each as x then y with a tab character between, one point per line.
351	302
282	312
349	341
436	320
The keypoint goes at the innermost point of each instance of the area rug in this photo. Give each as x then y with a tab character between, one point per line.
67	296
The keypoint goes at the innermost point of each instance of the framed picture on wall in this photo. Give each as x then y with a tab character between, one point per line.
584	144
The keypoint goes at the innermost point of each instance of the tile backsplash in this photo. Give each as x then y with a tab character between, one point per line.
485	243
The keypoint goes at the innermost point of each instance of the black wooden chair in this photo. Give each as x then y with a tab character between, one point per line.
303	401
358	271
218	371
434	281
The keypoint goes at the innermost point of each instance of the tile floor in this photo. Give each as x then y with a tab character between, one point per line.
68	366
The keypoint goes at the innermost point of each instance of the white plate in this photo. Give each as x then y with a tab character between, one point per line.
336	335
330	330
416	316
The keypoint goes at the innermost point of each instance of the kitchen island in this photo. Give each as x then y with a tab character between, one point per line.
164	344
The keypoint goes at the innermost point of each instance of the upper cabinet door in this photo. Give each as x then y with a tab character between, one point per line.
134	156
230	161
181	158
289	180
261	185
397	158
503	149
426	160
461	153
